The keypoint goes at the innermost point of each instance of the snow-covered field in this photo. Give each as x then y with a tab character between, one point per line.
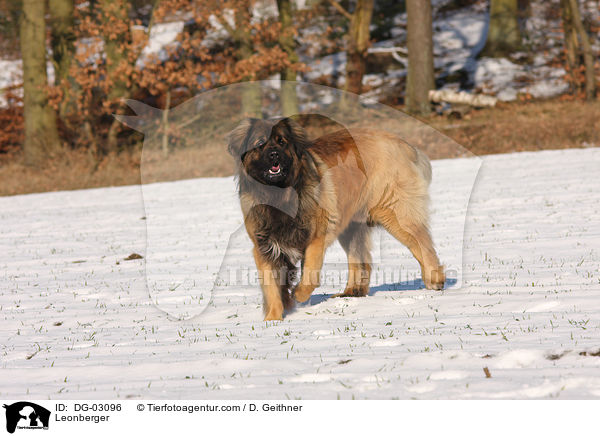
78	322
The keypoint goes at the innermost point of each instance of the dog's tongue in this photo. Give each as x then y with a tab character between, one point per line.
275	168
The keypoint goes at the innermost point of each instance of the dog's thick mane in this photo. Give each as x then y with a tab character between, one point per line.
282	218
295	200
303	195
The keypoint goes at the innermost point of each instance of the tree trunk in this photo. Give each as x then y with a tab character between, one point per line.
41	133
588	55
114	43
63	49
251	100
504	36
165	124
116	58
358	45
289	98
420	57
251	95
63	37
241	35
571	43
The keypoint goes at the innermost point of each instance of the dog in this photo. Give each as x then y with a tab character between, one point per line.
298	196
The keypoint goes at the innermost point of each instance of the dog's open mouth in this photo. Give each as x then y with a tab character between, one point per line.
275	170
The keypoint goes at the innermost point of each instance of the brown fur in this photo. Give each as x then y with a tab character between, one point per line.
337	187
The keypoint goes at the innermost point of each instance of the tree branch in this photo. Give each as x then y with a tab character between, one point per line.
152	16
223	22
340	9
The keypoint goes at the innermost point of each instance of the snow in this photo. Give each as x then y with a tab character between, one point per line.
459	36
330	65
11	74
161	35
498	76
11	71
78	321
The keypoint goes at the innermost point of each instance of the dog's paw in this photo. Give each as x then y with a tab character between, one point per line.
274	312
436	279
273	316
353	292
302	294
288	301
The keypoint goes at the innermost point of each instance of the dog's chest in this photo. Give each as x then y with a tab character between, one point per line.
281	236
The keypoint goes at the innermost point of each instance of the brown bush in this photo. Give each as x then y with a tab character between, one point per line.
11	123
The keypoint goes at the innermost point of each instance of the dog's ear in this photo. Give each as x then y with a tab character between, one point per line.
297	133
237	136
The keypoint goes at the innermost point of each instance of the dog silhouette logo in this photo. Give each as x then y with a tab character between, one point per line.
26	415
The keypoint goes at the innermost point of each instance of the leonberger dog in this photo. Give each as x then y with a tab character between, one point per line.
298	196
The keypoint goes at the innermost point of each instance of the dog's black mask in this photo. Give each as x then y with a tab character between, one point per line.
269	151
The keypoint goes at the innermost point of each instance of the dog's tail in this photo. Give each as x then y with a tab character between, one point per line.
423	165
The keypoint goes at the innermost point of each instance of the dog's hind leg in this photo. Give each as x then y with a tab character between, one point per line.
415	235
356	242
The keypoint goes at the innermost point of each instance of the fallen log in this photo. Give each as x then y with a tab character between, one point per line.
454	97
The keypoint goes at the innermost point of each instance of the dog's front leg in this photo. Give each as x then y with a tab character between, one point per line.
269	282
311	269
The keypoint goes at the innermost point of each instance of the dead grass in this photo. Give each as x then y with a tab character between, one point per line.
506	128
76	170
212	160
510	127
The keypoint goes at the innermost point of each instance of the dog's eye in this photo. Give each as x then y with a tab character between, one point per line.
280	140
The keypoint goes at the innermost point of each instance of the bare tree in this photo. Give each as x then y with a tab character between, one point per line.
577	43
116	41
289	98
241	34
504	36
63	37
420	57
41	133
571	42
358	42
358	45
63	47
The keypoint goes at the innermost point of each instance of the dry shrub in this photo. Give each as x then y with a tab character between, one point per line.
507	128
187	163
531	126
11	123
76	169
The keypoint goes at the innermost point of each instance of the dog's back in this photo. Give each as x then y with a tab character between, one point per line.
364	144
367	165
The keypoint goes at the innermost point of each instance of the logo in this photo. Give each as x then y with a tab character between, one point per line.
26	415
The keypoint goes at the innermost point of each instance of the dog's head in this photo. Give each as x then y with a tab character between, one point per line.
269	151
